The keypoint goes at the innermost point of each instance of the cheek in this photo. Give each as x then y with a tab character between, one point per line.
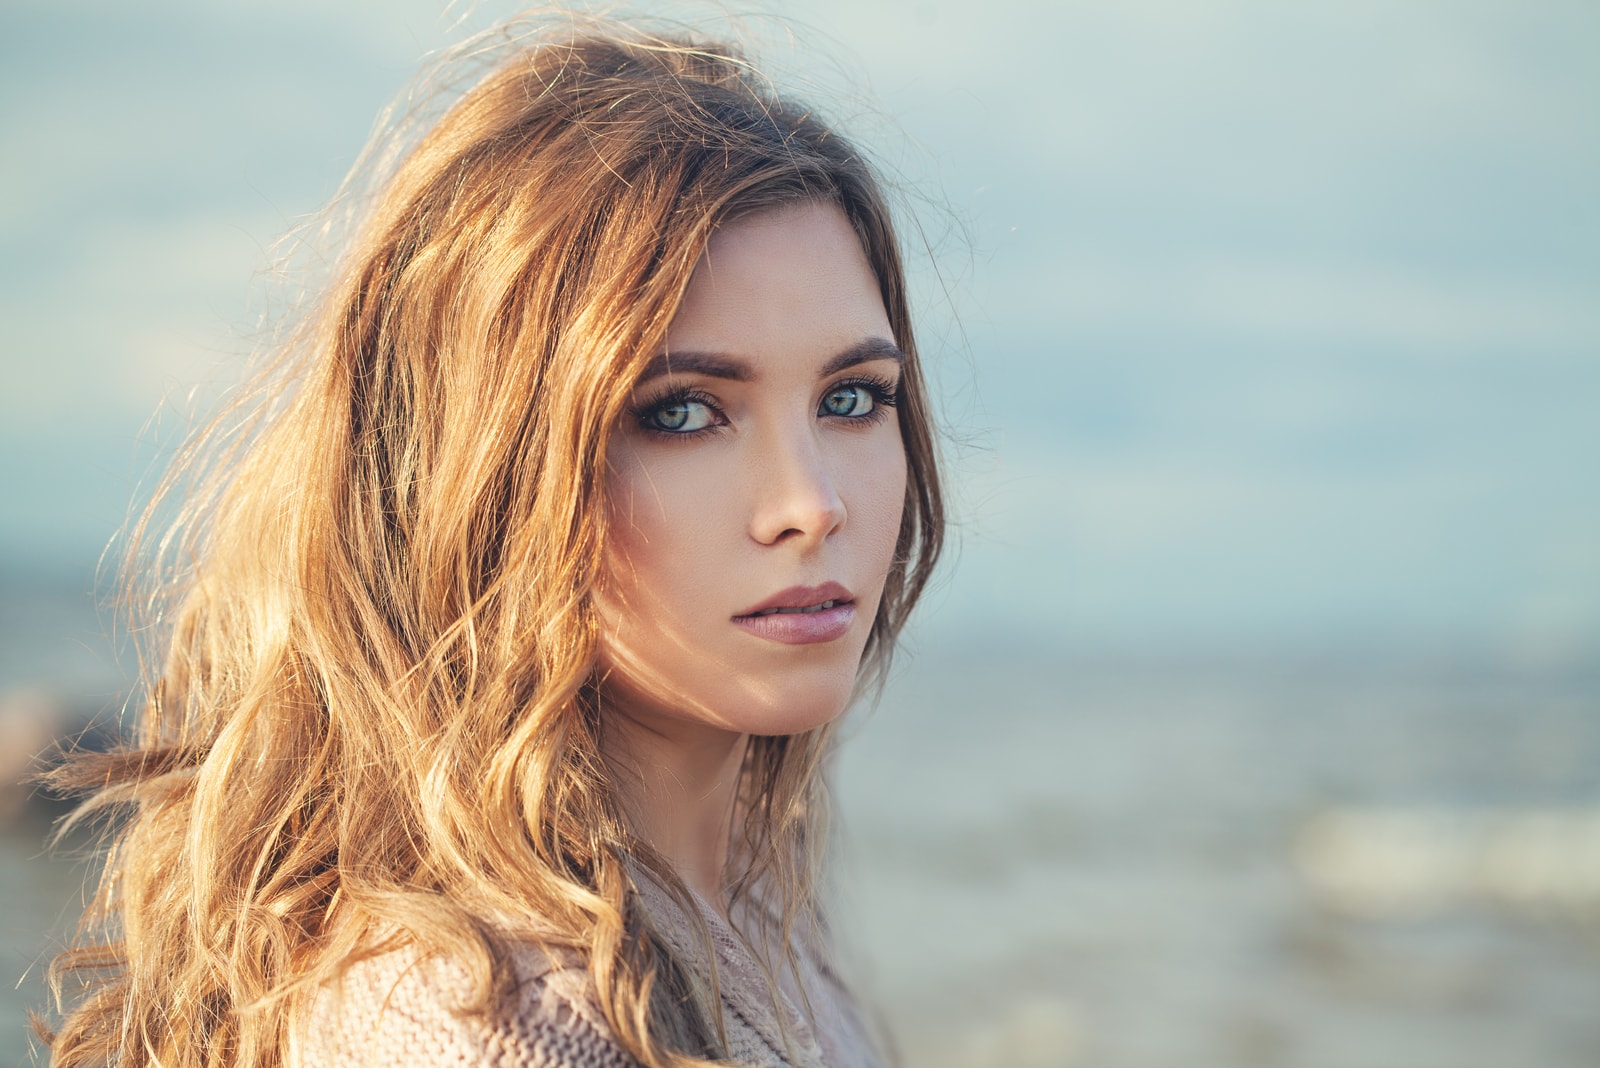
665	522
876	499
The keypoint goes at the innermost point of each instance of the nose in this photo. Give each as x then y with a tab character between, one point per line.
796	499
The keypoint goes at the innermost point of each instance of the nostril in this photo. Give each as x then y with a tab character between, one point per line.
797	500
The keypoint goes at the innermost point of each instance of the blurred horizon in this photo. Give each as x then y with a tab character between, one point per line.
1251	327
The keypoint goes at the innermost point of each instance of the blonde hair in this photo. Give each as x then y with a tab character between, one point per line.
373	722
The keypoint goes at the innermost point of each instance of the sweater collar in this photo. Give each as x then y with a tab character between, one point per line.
745	989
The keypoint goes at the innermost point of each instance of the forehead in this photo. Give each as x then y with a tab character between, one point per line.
789	278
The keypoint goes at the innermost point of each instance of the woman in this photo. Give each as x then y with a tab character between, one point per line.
501	658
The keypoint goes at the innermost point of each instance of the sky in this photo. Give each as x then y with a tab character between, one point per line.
1255	326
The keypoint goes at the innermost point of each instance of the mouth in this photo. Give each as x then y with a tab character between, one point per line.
801	611
801	615
800	600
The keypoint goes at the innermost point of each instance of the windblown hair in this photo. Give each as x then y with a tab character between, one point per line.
372	719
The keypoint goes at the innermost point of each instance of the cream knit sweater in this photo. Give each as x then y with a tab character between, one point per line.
397	1010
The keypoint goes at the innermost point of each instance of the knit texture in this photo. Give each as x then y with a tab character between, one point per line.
398	1010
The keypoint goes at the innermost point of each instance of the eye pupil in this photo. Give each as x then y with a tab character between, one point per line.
843	401
672	416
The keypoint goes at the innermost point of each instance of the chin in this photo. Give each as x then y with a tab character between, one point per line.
793	701
790	702
794	717
770	706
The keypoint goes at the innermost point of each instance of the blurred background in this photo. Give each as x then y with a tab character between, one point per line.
1257	718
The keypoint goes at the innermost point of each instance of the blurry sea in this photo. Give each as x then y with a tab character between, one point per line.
1052	858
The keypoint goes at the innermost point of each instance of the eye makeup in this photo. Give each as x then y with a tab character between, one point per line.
883	392
688	411
679	413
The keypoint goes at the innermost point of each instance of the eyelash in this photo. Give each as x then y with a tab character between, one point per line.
670	398
885	395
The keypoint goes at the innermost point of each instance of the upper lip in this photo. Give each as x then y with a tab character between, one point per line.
801	597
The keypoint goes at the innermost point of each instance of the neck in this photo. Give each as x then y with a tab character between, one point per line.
678	781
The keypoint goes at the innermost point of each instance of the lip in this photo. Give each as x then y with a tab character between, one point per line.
801	628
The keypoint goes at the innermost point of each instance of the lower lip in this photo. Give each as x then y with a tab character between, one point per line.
801	628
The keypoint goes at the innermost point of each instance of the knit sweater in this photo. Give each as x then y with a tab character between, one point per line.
399	1009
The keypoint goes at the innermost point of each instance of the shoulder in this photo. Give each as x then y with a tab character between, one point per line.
400	1008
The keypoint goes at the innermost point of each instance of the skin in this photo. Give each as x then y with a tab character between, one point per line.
754	464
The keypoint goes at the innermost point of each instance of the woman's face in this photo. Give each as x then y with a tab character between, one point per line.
757	485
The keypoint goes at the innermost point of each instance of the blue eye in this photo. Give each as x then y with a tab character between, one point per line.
678	415
849	400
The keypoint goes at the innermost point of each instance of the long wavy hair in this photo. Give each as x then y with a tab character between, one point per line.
370	717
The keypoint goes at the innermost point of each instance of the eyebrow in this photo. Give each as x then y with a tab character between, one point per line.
738	369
